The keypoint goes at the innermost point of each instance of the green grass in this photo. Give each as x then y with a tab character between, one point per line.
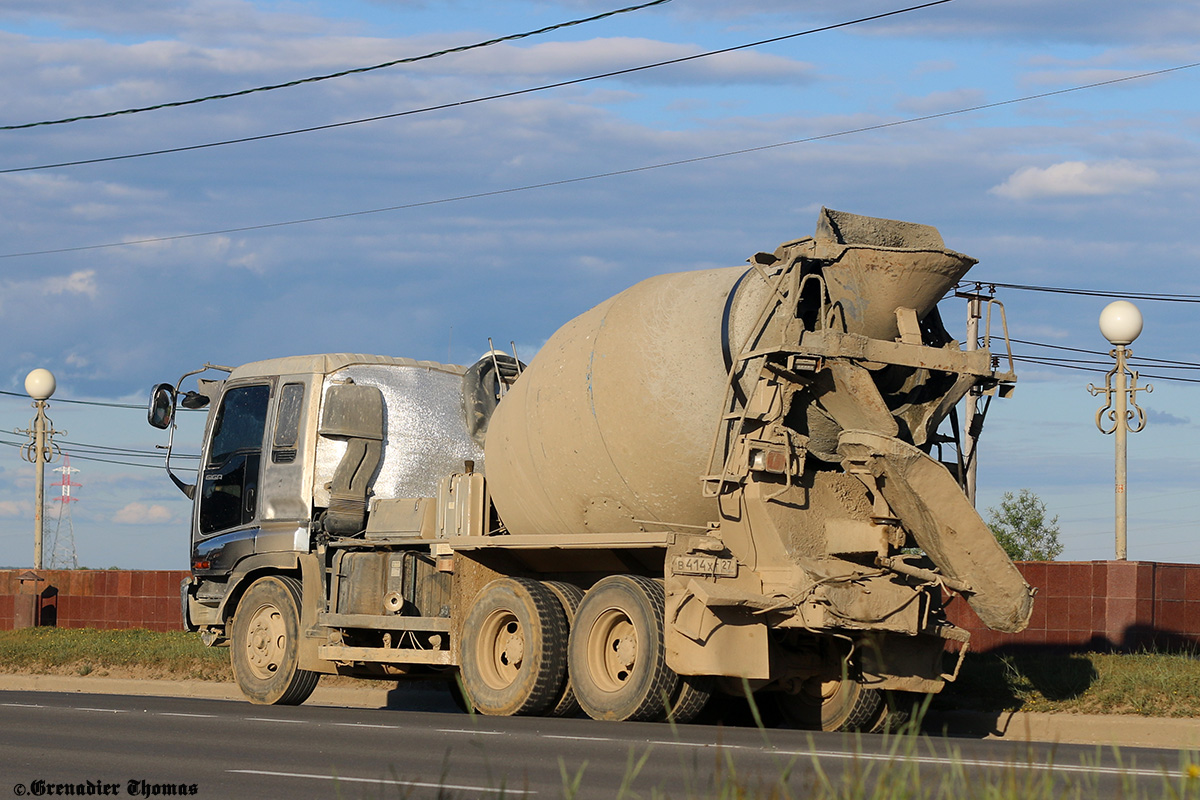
1149	684
128	653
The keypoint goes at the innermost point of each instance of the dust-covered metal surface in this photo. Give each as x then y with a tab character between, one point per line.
719	400
613	420
425	434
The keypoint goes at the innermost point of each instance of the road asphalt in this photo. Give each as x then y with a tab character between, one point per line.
1098	729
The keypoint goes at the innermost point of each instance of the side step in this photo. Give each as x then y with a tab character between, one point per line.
384	655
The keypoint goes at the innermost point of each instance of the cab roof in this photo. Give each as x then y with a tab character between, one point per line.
327	363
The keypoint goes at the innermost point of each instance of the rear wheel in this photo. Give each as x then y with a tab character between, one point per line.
569	597
835	704
513	654
691	698
265	644
618	660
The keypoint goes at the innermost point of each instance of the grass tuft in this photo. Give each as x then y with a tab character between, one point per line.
1153	684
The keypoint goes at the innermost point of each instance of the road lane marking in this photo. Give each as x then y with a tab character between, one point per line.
22	705
381	781
941	761
365	725
276	719
105	710
467	730
580	738
181	714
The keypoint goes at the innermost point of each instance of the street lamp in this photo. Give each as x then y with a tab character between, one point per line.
39	385
1121	323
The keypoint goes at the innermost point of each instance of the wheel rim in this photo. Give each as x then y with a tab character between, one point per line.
266	642
612	650
503	651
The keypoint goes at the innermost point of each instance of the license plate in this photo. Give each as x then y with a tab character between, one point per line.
704	565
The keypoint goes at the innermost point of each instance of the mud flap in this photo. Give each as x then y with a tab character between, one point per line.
930	504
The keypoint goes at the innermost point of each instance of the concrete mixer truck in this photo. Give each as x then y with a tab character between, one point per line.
719	481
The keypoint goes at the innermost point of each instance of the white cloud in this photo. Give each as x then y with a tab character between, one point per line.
615	53
79	282
1076	179
12	508
142	514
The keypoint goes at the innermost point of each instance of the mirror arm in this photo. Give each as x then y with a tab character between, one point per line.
188	489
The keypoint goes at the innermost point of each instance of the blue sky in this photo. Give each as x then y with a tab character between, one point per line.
1095	189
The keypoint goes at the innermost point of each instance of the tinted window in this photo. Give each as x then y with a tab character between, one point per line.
240	422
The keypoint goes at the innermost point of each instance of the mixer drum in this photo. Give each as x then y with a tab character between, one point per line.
612	424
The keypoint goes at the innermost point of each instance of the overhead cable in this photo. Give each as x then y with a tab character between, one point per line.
1155	296
79	457
77	402
1164	361
596	176
472	101
343	73
1080	366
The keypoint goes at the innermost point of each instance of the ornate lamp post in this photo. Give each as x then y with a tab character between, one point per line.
39	385
1121	323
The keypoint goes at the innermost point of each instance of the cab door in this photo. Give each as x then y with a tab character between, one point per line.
228	498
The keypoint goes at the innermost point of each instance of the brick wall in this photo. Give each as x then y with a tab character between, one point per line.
89	598
1100	605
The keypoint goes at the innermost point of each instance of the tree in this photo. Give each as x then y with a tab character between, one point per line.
1020	526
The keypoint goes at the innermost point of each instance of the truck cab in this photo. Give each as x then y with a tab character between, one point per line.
297	451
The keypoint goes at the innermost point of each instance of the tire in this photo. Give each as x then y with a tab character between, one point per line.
691	698
265	646
569	597
835	704
616	652
455	690
513	655
902	708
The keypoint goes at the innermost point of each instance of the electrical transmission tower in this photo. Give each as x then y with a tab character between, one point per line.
62	553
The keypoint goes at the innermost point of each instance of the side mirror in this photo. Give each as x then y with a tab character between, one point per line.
161	412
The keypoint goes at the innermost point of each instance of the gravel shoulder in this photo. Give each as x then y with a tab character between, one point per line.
1101	730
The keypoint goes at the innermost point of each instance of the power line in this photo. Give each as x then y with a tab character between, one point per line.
140	407
601	175
472	101
1155	296
1081	367
1163	361
77	402
106	450
101	460
341	74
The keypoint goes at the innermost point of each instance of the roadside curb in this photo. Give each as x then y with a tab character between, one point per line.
207	690
1110	730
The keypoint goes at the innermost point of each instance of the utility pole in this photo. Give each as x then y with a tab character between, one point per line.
971	428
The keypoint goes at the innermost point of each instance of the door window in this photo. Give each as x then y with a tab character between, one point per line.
229	490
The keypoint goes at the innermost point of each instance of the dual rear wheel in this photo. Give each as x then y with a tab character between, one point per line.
518	657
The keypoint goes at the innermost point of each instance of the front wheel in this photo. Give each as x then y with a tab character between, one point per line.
266	644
